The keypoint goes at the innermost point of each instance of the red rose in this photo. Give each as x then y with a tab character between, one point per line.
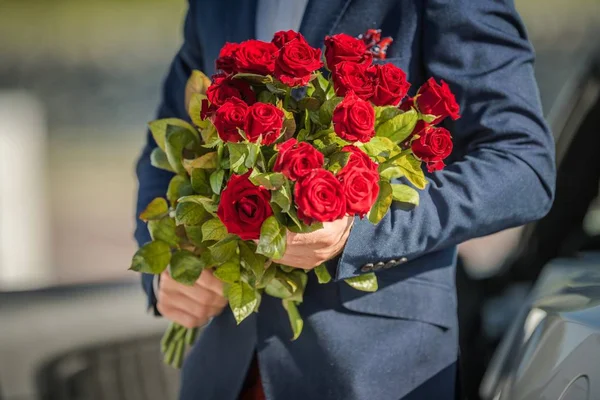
208	110
296	62
354	119
226	60
281	38
437	100
391	85
320	197
296	160
419	127
358	159
342	47
433	146
264	120
349	76
244	207
407	104
361	187
223	88
256	57
228	118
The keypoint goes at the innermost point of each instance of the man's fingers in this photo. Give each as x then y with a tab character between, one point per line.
208	281
196	293
181	317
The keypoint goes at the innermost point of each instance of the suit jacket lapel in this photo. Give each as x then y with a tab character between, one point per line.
321	19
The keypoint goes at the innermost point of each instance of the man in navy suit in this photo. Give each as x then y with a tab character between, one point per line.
401	341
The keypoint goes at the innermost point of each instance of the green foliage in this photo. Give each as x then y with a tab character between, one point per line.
189	213
252	261
177	139
158	129
200	182
252	155
224	249
158	159
399	127
216	181
210	138
229	271
194	234
237	157
282	197
364	283
326	110
272	239
164	229
383	202
254	78
195	110
174	191
157	209
322	273
205	161
338	160
296	321
242	300
411	168
186	267
379	147
406	195
213	229
151	258
206	202
271	181
390	171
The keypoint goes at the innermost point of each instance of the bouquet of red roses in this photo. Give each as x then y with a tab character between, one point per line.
256	162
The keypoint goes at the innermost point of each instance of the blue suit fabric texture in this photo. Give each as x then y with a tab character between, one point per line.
400	342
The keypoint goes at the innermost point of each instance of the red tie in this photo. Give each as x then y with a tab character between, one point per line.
253	389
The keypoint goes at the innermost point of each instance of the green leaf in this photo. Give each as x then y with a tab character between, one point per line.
214	229
204	201
383	114
210	137
177	139
278	287
326	110
157	209
252	261
252	155
194	234
242	300
272	239
297	279
382	204
271	181
398	128
186	267
406	195
267	277
322	273
254	78
309	103
411	168
282	197
188	213
206	161
379	147
195	110
159	129
200	182
289	125
390	171
158	159
174	189
266	96
429	118
151	258
338	160
276	89
364	283
164	229
296	321
237	157
306	228
216	181
229	271
224	249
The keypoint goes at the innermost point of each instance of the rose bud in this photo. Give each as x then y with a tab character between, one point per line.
437	100
343	47
296	62
228	118
256	57
244	207
264	120
432	146
352	77
296	160
226	60
281	38
320	197
391	85
354	119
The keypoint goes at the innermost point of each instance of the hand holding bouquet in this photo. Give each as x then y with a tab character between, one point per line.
257	162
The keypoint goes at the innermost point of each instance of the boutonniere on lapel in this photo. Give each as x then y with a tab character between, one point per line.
256	167
375	43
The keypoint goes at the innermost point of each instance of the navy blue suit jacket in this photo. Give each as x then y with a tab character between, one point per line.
400	342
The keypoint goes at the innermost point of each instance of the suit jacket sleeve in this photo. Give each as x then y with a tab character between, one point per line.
153	182
505	176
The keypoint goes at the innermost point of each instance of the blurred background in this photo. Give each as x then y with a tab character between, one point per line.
78	81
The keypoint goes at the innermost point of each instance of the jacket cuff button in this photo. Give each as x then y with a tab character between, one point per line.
390	264
378	266
367	267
